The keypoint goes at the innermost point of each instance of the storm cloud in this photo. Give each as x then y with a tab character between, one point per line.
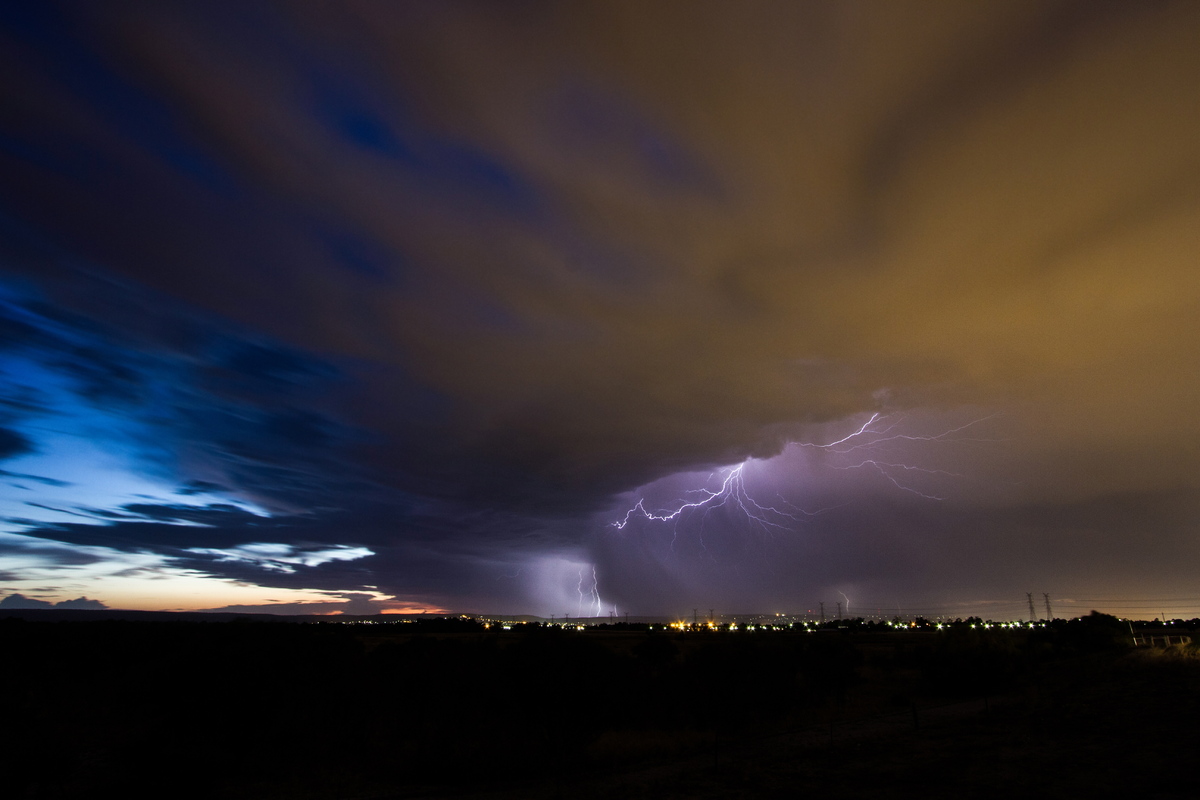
451	288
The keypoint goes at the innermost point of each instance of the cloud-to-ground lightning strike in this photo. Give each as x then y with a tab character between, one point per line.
876	431
593	594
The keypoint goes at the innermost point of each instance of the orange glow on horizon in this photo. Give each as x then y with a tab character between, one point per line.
414	609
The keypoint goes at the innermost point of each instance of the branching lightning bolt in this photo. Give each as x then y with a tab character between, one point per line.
732	493
882	467
872	436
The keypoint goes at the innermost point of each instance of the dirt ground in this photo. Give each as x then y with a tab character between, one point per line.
1101	730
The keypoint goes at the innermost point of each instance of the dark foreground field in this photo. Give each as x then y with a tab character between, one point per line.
275	710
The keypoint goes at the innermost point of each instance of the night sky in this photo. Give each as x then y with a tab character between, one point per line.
598	307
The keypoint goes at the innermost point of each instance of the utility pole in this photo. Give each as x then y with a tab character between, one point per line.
839	602
710	615
695	618
1049	613
822	612
1032	613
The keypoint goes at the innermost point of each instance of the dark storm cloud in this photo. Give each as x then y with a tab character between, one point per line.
13	443
18	600
441	280
81	603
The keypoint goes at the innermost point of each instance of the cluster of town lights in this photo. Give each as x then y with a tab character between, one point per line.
684	626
